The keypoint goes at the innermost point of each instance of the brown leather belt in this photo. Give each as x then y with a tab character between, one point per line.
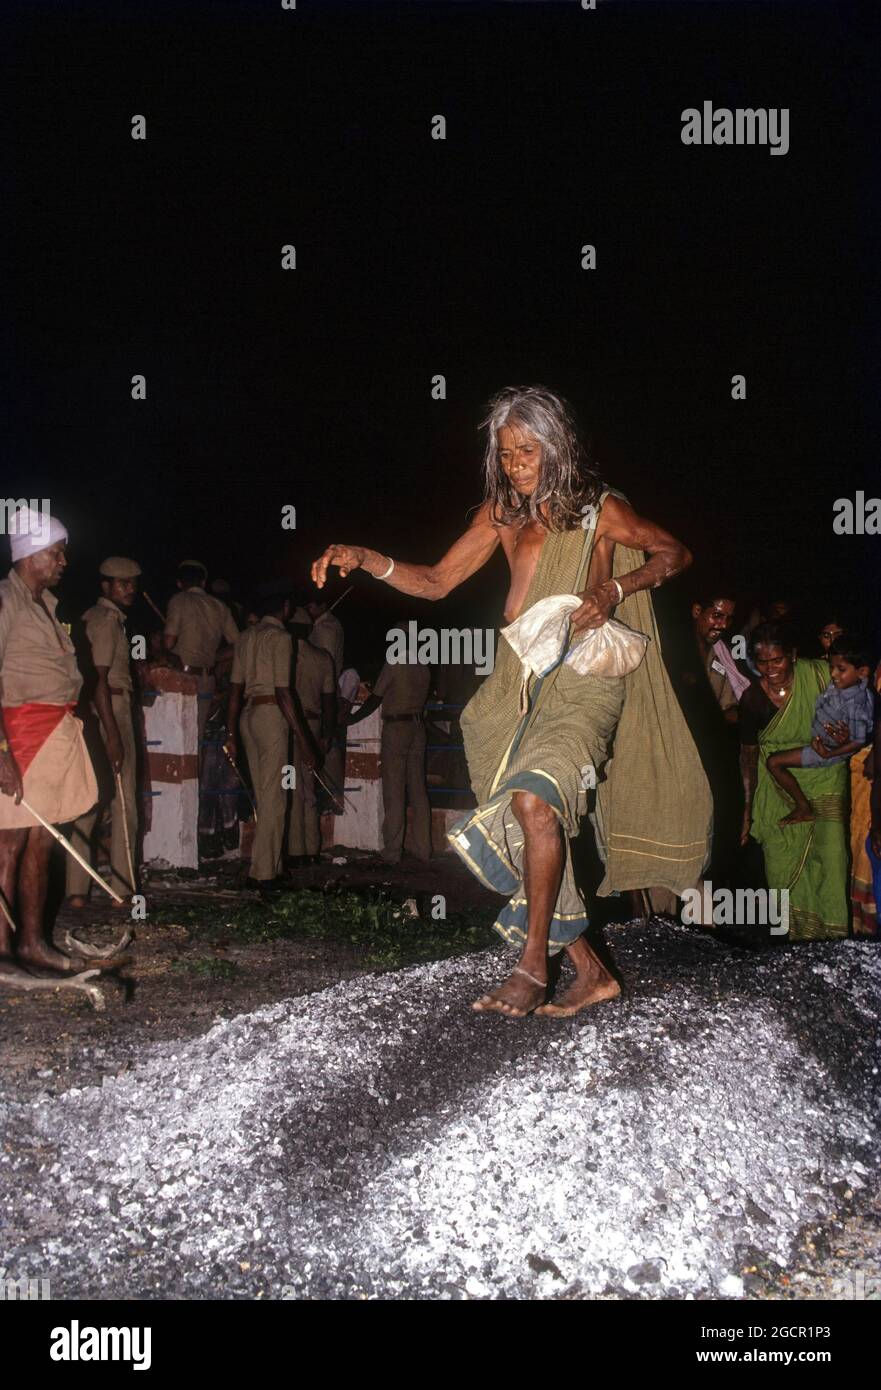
199	670
398	718
261	700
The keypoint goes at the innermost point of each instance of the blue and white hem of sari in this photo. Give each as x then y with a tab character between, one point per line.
480	840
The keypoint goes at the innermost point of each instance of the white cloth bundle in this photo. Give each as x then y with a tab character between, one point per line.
541	634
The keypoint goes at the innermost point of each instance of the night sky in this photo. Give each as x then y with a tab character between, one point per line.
416	257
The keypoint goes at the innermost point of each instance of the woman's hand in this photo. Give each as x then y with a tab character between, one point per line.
345	557
747	824
596	606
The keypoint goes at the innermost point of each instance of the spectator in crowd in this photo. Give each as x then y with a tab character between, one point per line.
830	628
865	820
315	690
873	841
43	756
402	689
846	701
708	687
106	661
199	630
327	634
809	858
260	682
222	589
771	610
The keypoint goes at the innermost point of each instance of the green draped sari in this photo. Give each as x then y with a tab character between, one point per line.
809	858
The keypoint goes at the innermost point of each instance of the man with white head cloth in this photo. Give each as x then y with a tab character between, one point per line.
43	756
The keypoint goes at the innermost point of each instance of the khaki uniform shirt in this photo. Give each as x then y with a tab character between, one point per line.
404	689
262	658
37	657
719	682
105	629
327	633
200	623
314	677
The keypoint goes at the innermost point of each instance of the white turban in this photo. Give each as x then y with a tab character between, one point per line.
31	531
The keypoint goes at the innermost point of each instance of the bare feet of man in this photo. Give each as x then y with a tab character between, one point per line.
47	967
518	996
38	959
592	983
801	813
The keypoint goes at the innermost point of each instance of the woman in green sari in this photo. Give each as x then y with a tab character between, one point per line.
809	858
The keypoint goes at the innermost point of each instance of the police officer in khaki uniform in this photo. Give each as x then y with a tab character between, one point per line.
261	675
316	692
327	633
112	699
196	625
402	691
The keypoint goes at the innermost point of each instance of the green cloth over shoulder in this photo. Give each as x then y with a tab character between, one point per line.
625	736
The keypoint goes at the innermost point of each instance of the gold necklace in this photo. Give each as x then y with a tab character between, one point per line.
783	690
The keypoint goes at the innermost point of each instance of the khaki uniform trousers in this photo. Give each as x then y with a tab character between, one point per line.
403	781
265	734
304	836
83	829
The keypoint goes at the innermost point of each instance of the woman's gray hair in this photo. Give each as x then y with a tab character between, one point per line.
566	486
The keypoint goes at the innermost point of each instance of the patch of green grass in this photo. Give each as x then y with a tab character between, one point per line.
369	920
210	966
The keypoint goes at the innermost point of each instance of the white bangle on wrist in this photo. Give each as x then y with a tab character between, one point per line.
391	566
620	590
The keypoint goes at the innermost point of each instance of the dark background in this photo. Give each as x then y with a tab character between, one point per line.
416	257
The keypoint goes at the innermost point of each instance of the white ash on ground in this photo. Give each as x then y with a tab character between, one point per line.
379	1139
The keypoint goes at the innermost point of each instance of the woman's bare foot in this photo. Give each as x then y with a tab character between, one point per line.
518	996
592	984
77	902
801	813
